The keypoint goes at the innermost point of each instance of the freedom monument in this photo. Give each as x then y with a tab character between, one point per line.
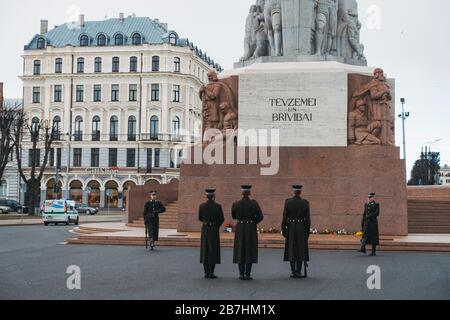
324	120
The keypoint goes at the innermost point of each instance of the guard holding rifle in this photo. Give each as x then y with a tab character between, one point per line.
248	214
296	229
152	210
370	225
211	214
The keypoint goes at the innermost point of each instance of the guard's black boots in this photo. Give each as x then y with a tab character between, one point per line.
248	272
374	251
241	271
211	271
293	270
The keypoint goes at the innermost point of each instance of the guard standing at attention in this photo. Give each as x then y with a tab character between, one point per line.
370	225
248	214
152	210
296	229
211	214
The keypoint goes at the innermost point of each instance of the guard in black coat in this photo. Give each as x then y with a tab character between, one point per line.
211	214
248	214
152	210
370	225
296	229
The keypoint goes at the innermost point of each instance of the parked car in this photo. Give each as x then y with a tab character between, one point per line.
4	209
84	208
14	205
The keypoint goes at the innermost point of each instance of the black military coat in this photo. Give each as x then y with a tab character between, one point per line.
370	223
248	214
296	229
211	214
152	210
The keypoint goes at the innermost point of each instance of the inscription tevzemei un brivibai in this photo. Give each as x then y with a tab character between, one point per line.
290	109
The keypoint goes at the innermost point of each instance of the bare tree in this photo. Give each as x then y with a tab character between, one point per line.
9	119
40	134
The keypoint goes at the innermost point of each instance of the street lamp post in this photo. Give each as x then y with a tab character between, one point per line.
404	115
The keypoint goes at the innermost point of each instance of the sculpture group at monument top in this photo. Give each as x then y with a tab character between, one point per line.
303	30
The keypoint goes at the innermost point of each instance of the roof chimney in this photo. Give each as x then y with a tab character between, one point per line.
44	26
81	20
121	16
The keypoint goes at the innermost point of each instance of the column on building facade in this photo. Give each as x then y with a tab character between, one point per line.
85	197
66	99
120	200
46	100
102	197
166	94
43	196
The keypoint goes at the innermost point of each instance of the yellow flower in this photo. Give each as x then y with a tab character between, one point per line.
359	234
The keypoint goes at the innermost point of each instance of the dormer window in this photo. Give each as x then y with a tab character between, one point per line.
173	39
118	40
101	40
84	41
137	39
41	43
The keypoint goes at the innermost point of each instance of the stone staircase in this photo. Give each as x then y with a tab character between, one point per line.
429	216
167	220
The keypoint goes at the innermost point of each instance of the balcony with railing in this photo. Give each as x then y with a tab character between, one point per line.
145	137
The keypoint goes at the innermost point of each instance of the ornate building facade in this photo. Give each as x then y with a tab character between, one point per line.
123	93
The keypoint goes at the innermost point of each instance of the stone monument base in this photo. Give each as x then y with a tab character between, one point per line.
301	58
336	181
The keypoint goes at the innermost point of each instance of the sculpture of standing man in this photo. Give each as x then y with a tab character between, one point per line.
272	14
326	27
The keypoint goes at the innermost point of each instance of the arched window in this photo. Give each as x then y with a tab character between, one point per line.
176	126
177	62
80	65
115	64
154	128
57	128
84	41
132	128
101	40
78	128
133	64
137	39
3	189
35	124
98	64
155	63
118	40
36	67
173	39
114	129
96	128
41	43
58	65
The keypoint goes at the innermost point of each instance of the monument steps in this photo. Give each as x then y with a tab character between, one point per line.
425	216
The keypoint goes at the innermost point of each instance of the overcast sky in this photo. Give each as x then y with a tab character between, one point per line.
408	38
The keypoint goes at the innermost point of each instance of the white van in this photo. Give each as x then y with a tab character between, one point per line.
60	211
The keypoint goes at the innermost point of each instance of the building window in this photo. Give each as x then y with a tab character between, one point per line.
98	64
133	92
133	64
118	40
155	92
96	128
176	93
101	40
41	43
132	128
80	65
56	128
58	158
149	160
97	93
115	92
35	125
77	156
34	157
58	65
78	129
36	95
51	161
115	64
114	129
3	189
37	67
154	128
58	93
131	158
176	126
112	161
177	62
137	39
84	41
95	158
79	93
157	157
173	39
155	63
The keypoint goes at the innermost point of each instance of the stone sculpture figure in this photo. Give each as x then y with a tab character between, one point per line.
361	131
378	95
249	40
256	42
273	22
348	32
325	27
